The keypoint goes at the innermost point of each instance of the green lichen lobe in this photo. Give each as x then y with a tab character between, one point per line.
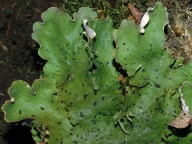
81	98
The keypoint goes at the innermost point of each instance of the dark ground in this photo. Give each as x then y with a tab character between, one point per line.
18	52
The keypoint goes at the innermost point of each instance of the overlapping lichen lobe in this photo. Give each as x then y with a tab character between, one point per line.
136	14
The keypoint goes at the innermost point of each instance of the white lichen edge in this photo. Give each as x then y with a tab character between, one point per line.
12	100
184	107
90	32
145	19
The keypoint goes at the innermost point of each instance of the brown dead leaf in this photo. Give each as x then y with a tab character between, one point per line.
187	47
182	121
101	14
123	80
178	29
136	13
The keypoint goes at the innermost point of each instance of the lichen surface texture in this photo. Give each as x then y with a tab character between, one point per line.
119	87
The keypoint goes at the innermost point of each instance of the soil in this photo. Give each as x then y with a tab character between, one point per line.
18	55
18	52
